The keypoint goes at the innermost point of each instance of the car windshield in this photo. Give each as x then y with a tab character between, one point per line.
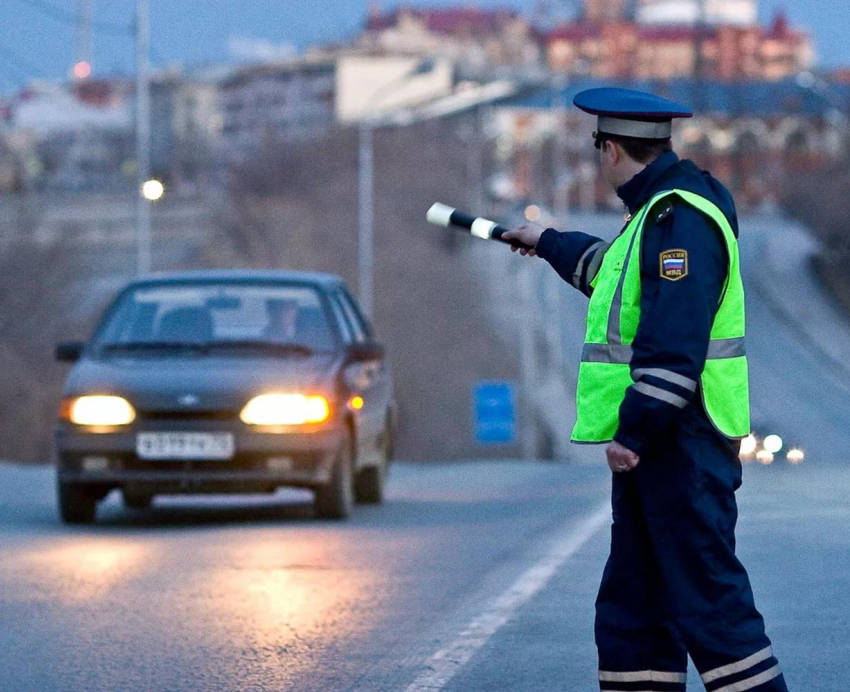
220	317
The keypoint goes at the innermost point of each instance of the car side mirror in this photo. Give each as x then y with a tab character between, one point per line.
69	351
368	350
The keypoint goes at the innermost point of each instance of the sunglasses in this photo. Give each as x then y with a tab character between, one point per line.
598	139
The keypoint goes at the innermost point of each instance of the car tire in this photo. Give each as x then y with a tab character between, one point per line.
77	503
371	481
136	500
335	500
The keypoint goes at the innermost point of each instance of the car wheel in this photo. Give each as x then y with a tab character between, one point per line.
77	504
136	500
334	500
371	480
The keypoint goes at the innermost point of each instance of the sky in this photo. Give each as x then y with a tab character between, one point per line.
37	37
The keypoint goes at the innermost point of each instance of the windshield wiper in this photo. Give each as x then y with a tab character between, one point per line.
268	346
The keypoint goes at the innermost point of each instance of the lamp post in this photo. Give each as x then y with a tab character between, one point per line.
366	179
143	136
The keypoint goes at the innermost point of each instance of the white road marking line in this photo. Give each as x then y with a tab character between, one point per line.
443	665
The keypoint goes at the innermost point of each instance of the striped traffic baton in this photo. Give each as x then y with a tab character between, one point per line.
446	216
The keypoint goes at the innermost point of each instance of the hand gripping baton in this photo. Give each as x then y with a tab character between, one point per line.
446	216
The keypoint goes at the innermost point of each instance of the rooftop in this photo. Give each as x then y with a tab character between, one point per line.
578	31
735	99
449	20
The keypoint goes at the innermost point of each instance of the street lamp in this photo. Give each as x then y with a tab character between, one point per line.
153	190
366	177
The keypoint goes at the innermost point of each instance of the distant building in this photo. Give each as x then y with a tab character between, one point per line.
47	108
466	35
664	51
288	99
757	138
612	39
367	84
603	11
186	123
70	142
690	12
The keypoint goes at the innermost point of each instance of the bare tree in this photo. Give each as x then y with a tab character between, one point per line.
35	306
817	199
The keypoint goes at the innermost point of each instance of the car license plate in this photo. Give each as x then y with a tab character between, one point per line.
179	445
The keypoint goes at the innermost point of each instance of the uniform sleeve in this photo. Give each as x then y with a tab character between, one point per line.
683	272
575	256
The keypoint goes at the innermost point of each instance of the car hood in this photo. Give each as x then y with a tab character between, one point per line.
202	382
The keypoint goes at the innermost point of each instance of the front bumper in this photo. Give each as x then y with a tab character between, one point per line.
263	459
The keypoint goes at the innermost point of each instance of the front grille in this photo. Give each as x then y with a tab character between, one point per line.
302	461
187	415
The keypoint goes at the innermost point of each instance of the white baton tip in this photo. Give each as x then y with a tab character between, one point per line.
440	214
483	228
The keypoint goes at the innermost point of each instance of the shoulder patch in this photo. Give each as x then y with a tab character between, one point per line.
673	264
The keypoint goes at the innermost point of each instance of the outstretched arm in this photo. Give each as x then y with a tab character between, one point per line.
575	256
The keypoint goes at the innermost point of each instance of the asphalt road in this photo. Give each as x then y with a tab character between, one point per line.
473	576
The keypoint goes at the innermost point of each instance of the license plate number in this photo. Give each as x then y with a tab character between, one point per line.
179	445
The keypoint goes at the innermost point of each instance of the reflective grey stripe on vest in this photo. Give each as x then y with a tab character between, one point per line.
718	349
614	335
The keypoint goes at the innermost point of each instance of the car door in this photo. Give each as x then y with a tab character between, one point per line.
372	384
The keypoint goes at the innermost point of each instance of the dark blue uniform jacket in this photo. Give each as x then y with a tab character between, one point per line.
676	316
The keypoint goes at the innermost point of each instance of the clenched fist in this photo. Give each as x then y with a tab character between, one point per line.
621	459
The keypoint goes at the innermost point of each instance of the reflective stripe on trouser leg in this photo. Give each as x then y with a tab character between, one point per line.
759	671
642	680
637	648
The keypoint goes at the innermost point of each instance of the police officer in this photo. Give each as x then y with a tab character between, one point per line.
663	380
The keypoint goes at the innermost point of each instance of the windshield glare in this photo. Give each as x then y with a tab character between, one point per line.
218	313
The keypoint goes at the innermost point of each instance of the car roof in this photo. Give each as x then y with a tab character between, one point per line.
241	276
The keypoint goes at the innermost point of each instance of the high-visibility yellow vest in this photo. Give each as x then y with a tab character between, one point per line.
612	322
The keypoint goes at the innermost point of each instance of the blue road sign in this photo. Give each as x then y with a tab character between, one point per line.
495	413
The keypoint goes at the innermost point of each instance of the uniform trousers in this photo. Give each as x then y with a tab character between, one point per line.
673	586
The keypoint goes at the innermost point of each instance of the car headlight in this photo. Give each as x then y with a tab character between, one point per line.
99	410
285	409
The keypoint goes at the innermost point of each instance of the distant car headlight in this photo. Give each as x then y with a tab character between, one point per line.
764	457
285	409
749	445
773	443
99	410
795	456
